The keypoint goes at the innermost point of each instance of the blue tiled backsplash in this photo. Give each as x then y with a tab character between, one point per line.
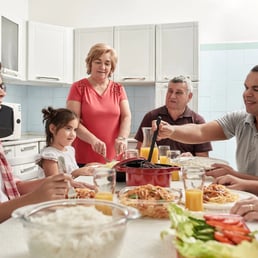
223	68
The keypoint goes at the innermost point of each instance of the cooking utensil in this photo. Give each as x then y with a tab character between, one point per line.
154	138
139	171
61	164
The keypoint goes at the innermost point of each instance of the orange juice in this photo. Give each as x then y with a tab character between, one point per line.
194	199
163	160
175	175
144	152
107	196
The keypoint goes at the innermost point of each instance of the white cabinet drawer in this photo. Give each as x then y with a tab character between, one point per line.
26	171
26	149
9	152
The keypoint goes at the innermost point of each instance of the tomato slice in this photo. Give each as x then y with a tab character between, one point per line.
236	237
222	238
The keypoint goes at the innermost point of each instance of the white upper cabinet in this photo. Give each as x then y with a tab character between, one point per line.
84	39
50	53
13	47
135	46
177	50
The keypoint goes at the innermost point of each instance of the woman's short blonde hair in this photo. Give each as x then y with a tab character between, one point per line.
96	52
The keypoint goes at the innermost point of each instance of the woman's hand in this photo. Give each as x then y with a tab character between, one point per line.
247	208
99	147
120	145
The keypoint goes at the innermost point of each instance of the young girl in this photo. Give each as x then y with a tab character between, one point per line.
60	128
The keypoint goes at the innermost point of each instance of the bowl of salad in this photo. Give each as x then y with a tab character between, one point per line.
209	235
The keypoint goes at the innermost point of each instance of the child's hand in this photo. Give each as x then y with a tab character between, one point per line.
83	171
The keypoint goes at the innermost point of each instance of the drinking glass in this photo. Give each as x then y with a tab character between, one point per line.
171	155
163	159
131	153
193	179
105	182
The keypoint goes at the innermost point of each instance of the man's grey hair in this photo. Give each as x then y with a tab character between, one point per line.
185	79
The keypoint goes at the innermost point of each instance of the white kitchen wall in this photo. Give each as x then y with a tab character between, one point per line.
219	20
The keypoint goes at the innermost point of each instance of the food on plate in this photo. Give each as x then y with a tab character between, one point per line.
84	193
216	236
217	193
150	200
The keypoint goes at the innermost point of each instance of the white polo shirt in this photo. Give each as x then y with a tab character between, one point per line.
241	125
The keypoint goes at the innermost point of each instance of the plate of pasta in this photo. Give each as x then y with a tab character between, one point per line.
219	197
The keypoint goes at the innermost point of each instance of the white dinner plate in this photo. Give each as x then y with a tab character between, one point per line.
227	206
205	162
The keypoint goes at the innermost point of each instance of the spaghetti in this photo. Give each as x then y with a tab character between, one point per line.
217	193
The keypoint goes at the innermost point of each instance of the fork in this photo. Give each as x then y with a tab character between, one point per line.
61	164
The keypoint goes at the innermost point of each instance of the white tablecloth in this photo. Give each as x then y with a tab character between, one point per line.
142	237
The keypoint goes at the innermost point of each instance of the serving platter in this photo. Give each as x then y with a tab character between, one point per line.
205	162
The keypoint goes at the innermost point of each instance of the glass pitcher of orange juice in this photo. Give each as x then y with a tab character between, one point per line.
145	148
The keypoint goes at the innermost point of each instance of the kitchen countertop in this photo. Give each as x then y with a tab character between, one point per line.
27	138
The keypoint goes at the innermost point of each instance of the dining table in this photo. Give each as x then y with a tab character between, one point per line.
142	239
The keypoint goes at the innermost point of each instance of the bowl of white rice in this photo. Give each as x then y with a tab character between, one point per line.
75	228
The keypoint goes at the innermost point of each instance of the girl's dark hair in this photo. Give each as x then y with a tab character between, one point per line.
58	117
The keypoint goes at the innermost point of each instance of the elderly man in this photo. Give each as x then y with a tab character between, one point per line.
176	112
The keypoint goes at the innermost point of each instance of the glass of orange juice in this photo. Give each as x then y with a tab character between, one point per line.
105	182
193	179
171	156
163	159
144	152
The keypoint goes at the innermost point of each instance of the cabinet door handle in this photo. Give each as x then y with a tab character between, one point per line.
25	170
48	78
134	78
27	148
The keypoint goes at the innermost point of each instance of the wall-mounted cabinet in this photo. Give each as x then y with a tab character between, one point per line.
135	46
50	53
13	47
177	50
84	39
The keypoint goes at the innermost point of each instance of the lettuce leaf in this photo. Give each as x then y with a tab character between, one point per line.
183	222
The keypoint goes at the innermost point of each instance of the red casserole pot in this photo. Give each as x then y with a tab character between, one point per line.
139	171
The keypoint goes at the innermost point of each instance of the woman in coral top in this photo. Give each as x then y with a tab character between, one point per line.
103	108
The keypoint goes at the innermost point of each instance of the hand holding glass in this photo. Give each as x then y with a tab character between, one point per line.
193	179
